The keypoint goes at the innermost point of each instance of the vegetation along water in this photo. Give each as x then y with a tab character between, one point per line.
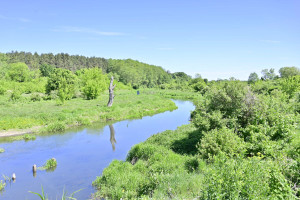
243	141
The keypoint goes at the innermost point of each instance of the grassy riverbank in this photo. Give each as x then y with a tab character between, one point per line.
53	116
168	166
243	143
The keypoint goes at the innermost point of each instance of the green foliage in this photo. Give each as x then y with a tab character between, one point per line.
290	85
94	82
198	84
286	72
2	90
47	70
15	95
27	137
42	196
220	141
268	74
49	165
253	77
2	185
2	150
54	118
35	97
64	196
64	81
56	127
18	72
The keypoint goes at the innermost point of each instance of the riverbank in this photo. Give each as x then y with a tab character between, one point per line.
48	116
168	166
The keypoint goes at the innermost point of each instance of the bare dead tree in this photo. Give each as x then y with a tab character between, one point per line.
111	92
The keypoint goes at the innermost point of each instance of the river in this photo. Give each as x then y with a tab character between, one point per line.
81	153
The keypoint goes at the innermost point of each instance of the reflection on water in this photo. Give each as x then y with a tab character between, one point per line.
81	153
112	137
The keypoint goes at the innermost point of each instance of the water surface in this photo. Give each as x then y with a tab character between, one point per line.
81	154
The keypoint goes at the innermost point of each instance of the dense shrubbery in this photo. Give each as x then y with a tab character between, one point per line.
243	144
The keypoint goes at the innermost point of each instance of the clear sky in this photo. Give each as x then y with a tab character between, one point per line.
216	38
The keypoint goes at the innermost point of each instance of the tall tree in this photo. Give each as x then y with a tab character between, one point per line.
289	71
253	77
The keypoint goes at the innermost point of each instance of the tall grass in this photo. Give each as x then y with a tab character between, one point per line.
64	196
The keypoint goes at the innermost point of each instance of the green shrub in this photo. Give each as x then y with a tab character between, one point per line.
50	165
15	95
35	97
94	82
2	90
56	127
18	72
220	141
64	81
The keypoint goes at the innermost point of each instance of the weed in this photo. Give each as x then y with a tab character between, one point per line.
2	185
43	196
2	150
29	137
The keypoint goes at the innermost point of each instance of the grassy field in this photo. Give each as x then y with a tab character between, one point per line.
53	116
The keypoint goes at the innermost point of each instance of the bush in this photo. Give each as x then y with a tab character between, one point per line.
220	141
64	81
15	95
2	90
18	72
35	97
94	82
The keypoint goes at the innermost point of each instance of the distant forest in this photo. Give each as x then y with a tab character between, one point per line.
129	72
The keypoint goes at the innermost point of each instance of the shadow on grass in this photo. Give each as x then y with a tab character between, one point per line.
188	144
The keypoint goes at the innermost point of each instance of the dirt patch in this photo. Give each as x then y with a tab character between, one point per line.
14	132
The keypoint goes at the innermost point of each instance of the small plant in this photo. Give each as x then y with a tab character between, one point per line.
1	150
6	178
2	185
64	195
50	164
42	196
29	137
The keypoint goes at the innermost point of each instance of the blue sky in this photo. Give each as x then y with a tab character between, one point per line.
216	38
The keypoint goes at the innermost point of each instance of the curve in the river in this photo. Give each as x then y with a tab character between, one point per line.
81	154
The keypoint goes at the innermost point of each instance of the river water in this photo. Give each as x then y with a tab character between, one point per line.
81	153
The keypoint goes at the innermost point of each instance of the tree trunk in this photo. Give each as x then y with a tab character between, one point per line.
111	92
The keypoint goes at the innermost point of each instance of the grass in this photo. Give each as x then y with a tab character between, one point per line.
54	118
168	166
44	196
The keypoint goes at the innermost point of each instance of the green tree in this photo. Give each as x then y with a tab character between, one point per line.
253	77
94	82
268	74
64	81
289	71
18	72
46	70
